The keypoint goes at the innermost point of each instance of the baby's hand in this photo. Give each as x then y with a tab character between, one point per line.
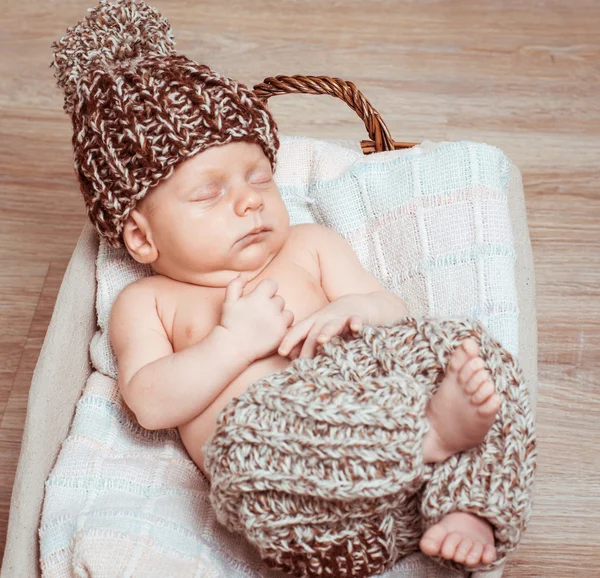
257	321
348	312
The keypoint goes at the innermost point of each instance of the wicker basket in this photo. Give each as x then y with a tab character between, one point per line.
381	139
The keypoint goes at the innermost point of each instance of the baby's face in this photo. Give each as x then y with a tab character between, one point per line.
198	217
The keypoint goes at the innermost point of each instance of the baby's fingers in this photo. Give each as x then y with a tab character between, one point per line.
235	288
330	329
295	352
294	335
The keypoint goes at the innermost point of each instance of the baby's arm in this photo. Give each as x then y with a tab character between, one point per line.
343	275
355	296
166	389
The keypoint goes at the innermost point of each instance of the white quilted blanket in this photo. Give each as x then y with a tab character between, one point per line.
432	224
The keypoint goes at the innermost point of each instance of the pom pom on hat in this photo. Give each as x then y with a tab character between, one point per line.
139	108
112	33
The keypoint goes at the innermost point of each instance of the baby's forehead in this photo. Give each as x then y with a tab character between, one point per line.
225	162
228	158
216	162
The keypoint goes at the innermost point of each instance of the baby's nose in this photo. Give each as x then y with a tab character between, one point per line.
248	200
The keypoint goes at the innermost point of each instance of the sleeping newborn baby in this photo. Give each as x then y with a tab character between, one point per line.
238	294
175	162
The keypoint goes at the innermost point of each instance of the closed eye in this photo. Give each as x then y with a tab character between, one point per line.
206	191
261	179
208	196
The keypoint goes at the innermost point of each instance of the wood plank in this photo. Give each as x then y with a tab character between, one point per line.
13	418
10	447
20	286
16	407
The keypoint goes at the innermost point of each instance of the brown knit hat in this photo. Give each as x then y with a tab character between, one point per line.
139	108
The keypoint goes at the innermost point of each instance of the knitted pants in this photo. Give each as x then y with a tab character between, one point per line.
320	465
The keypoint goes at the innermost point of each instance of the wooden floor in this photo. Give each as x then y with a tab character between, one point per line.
524	76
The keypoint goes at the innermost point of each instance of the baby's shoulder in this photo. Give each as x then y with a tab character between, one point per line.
143	286
307	236
143	293
311	238
138	295
305	229
148	302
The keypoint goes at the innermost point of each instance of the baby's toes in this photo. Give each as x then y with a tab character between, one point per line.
463	549
450	544
431	542
478	378
483	392
489	554
471	347
457	359
474	555
490	407
469	369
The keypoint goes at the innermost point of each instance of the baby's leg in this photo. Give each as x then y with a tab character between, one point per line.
321	467
463	408
480	496
490	484
333	447
460	414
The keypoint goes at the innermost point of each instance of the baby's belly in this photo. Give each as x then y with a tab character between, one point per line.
195	433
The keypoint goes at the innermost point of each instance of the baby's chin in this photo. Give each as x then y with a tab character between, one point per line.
251	259
218	279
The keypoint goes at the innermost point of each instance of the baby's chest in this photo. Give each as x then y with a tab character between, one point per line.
198	309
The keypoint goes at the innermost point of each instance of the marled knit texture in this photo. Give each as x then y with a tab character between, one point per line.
320	465
139	108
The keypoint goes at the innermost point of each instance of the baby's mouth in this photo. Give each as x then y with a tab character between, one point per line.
254	235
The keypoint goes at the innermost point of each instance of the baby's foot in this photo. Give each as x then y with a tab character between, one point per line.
462	537
463	408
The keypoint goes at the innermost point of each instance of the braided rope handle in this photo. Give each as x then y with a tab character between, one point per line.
381	139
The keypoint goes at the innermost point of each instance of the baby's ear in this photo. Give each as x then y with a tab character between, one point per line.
137	236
